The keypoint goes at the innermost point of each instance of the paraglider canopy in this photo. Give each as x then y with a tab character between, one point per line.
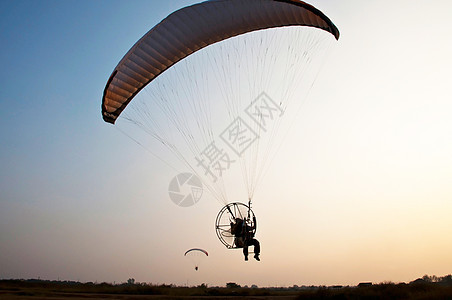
193	28
197	249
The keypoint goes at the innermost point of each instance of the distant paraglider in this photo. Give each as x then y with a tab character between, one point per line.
196	255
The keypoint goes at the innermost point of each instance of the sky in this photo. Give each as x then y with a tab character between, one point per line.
361	189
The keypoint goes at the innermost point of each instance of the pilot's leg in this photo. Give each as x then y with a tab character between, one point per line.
245	251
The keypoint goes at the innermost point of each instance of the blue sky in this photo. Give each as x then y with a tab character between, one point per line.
80	201
56	56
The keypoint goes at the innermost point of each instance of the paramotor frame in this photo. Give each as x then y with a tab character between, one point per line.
227	215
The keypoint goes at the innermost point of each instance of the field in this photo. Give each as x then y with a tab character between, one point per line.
42	289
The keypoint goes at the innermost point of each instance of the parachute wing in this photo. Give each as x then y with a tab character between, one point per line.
197	250
193	28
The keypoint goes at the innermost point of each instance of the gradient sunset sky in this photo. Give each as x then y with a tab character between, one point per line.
361	190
